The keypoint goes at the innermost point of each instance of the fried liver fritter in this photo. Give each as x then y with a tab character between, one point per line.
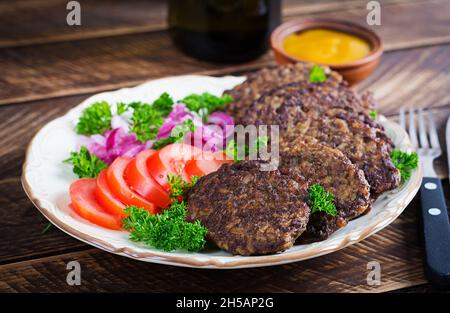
309	113
331	169
249	211
268	78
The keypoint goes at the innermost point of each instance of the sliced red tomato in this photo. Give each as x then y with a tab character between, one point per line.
106	197
171	160
85	204
208	163
120	188
140	180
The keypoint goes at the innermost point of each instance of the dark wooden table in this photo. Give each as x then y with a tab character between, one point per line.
47	67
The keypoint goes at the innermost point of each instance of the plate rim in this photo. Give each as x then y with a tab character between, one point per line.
215	262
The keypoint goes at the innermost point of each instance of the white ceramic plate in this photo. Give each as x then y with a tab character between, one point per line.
46	181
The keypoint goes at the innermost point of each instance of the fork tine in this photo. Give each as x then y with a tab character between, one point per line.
412	129
402	118
422	130
434	139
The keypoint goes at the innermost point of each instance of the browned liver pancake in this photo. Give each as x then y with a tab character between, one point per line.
266	79
249	211
334	100
331	169
308	112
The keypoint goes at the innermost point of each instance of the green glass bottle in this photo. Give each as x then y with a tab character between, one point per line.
223	30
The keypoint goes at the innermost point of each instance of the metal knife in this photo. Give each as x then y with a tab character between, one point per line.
436	228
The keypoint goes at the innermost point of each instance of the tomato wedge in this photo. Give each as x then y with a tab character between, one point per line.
171	160
120	188
106	198
140	180
208	163
85	204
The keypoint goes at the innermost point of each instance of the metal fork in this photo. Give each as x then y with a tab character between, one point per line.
436	228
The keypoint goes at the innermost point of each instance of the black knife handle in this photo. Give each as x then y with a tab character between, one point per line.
436	232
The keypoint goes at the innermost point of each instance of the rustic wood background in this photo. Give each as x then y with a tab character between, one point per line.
47	67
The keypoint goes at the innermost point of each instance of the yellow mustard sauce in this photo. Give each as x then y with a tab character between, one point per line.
326	46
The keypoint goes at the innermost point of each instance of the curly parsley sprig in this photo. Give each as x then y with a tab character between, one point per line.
179	187
166	231
317	74
404	162
145	121
163	104
169	229
205	103
320	200
240	151
95	119
177	134
373	114
85	164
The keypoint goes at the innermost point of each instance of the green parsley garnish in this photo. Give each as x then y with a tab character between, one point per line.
95	119
404	162
163	142
320	200
260	142
169	229
373	114
148	118
317	74
177	134
240	152
121	107
163	104
145	121
231	150
205	103
85	164
179	187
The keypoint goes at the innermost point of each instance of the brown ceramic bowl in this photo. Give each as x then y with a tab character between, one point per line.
354	71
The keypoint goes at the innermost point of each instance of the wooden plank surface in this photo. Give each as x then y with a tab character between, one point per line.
22	226
69	68
345	270
44	21
416	77
88	66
